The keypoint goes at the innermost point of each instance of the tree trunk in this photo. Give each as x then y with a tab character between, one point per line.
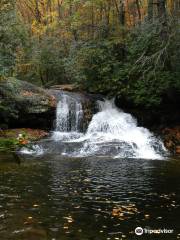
122	13
161	7
138	9
59	4
37	12
150	10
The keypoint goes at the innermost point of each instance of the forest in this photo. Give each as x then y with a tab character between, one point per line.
89	119
124	48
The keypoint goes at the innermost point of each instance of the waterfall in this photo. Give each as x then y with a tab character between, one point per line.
69	118
69	114
111	132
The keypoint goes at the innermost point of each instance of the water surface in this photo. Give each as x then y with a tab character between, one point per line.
60	198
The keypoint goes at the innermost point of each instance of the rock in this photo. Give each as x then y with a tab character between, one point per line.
65	87
23	104
171	138
178	149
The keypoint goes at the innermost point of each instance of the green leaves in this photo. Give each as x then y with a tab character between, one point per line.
98	67
8	144
10	38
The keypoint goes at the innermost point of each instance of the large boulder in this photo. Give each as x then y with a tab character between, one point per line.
23	104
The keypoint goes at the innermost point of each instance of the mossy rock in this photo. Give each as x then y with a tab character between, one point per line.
24	104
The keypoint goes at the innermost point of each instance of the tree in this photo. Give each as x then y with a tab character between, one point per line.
11	37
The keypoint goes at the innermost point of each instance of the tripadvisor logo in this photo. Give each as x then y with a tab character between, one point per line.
139	231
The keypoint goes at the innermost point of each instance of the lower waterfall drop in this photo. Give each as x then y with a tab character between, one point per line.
111	132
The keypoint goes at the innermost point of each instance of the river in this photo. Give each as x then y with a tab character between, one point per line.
54	197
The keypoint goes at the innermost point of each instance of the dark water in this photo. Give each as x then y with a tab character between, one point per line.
57	198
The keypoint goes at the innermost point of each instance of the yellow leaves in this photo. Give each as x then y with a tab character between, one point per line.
37	28
124	212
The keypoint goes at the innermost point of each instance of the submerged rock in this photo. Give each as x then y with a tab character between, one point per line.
23	104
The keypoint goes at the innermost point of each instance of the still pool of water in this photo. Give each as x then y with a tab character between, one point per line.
56	198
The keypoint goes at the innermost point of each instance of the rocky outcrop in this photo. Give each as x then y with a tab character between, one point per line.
171	138
23	104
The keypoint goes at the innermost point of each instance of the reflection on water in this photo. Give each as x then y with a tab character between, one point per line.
57	198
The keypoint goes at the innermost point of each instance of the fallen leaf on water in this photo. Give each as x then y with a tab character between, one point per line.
70	221
35	205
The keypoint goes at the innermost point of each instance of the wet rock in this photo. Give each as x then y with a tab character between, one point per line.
25	105
171	138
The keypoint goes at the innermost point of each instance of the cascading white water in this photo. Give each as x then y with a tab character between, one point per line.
69	114
62	115
69	117
111	132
